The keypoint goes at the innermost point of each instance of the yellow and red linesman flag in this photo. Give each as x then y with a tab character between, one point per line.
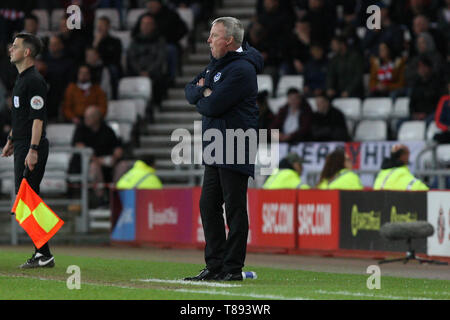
34	216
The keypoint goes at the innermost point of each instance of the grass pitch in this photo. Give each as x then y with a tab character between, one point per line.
138	279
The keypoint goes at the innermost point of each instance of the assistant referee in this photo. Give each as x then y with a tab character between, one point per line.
29	117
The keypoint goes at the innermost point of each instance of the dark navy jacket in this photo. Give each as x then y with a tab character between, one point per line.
232	104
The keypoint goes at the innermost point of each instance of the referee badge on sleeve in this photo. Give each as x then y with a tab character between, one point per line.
37	102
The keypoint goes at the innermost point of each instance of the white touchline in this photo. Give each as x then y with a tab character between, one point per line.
360	294
248	295
196	283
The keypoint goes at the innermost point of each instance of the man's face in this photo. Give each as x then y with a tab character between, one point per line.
55	46
322	105
91	117
218	41
294	100
84	75
154	6
420	24
17	51
102	26
30	26
270	5
91	56
147	26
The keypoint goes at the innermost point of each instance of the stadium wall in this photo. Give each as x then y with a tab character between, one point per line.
317	222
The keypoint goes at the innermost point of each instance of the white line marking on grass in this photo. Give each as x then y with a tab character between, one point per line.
196	283
360	294
237	294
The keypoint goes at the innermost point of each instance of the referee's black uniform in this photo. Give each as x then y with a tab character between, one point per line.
29	100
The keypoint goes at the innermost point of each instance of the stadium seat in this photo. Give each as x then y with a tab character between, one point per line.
312	104
276	103
44	19
111	13
350	126
376	108
401	108
122	111
288	81
443	153
411	131
124	36
133	17
141	106
431	131
350	107
265	83
187	15
135	88
371	130
122	130
55	18
60	134
58	160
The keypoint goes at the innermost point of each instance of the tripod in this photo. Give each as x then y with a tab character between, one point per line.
411	255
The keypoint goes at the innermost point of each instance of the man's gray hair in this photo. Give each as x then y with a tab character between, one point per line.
233	28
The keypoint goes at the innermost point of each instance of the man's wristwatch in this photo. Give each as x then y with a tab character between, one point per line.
34	147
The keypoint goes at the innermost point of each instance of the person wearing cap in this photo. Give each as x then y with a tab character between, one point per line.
395	174
337	173
288	175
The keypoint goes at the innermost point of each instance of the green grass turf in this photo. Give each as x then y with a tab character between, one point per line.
118	279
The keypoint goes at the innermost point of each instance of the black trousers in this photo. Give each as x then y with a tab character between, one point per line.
21	148
226	254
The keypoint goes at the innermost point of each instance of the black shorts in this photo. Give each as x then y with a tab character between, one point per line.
21	148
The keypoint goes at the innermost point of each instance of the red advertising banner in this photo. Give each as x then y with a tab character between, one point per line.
272	218
318	219
164	216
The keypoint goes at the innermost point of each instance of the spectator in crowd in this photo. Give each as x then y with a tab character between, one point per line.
425	48
8	72
345	72
82	94
443	22
328	123
337	173
5	119
288	174
425	92
110	51
99	72
94	133
74	40
265	114
172	28
386	72
315	72
395	174
442	117
317	14
57	69
421	25
277	24
390	33
147	56
256	36
12	14
294	120
142	175
31	25
405	11
297	48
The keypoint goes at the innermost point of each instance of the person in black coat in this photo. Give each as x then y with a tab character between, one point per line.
224	93
328	123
